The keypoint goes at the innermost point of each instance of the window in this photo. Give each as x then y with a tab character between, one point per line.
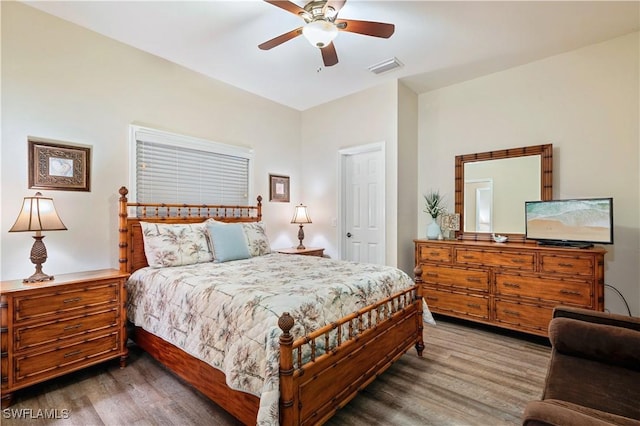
171	168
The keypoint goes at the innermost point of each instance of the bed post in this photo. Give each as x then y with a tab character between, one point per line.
259	207
122	229
418	280
285	322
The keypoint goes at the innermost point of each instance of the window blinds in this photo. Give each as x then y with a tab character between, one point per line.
176	173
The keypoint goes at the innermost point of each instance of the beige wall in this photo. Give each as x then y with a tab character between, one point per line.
585	103
407	177
386	113
359	119
63	82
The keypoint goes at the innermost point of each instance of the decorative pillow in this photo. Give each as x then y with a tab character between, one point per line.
169	244
256	238
228	241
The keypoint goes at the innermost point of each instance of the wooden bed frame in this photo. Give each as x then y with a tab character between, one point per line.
311	393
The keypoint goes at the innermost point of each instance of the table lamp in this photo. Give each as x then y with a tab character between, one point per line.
38	214
301	216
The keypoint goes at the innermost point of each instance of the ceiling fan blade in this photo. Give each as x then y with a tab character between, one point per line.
329	55
375	29
288	6
277	41
335	4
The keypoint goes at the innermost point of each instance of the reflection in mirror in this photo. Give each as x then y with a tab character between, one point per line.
483	209
491	188
503	185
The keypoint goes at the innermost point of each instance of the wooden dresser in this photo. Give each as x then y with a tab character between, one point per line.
510	285
55	327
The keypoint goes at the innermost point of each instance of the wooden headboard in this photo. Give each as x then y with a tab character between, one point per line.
130	243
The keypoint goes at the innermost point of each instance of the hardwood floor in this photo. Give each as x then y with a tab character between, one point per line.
469	375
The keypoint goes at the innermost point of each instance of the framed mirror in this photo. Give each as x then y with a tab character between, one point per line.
491	188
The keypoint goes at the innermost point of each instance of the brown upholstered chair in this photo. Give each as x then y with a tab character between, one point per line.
594	371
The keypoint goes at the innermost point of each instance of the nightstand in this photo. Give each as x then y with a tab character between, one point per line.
55	327
309	251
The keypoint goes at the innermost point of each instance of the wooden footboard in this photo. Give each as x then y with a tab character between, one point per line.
376	336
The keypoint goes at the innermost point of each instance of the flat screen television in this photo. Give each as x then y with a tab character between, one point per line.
571	223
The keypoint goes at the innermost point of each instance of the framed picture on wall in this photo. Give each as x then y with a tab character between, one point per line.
279	188
59	166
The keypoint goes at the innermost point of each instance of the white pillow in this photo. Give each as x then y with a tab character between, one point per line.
257	239
169	244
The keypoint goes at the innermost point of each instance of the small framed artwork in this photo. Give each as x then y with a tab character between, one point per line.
279	188
59	166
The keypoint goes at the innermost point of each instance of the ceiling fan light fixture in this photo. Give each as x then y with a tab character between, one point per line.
320	33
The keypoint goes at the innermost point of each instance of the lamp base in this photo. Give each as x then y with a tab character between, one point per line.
38	257
300	238
38	277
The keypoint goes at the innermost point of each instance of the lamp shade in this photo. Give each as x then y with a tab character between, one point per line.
320	33
301	215
38	214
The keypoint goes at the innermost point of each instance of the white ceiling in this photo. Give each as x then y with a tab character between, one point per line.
439	43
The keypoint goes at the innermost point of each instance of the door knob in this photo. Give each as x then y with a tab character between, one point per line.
348	234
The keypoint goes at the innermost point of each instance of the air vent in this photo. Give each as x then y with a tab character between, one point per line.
385	66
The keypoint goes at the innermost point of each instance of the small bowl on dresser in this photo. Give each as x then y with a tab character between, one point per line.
499	238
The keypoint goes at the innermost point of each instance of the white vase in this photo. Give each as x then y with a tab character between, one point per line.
433	230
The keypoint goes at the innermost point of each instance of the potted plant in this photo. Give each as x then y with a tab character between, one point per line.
433	206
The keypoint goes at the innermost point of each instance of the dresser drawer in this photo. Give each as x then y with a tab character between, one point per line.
548	289
63	358
432	253
52	331
560	264
503	259
527	317
54	303
461	304
460	278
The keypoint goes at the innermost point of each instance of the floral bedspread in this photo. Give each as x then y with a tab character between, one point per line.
226	314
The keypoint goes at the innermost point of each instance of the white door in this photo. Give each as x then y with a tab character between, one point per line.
363	207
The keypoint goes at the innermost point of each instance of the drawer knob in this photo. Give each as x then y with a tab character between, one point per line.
435	299
566	265
571	292
72	327
434	253
512	313
432	274
511	285
67	355
72	300
467	257
518	260
473	305
473	279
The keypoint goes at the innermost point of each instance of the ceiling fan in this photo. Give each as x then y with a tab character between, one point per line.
322	26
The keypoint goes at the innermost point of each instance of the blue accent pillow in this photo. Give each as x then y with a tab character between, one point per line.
228	241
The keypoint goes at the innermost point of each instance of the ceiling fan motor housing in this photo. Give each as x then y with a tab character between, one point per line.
315	11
